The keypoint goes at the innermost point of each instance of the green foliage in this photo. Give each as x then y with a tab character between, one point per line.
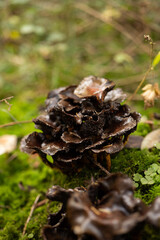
142	129
10	232
157	145
151	176
150	233
156	60
23	108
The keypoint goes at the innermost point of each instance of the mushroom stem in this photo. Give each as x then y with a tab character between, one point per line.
108	161
125	140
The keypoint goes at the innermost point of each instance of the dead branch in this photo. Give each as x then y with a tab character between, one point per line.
102	168
15	123
6	101
41	203
30	214
99	165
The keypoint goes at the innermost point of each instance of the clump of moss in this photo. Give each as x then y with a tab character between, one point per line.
154	192
150	233
131	161
15	203
9	232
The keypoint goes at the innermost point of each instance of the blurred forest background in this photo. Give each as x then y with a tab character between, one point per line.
53	43
47	44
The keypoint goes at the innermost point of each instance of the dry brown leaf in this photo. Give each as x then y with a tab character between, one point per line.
151	92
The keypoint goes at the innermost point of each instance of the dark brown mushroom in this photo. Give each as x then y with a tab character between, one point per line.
106	210
81	121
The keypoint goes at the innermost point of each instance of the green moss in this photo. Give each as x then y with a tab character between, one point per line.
150	233
16	202
154	192
10	232
131	161
23	108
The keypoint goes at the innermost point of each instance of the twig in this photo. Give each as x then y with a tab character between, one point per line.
5	100
99	165
102	168
15	123
30	214
150	122
41	203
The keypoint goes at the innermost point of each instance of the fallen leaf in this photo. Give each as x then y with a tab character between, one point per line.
7	143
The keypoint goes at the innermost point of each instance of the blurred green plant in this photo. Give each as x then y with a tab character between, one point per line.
156	60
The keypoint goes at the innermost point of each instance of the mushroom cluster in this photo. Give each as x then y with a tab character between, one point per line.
81	122
107	209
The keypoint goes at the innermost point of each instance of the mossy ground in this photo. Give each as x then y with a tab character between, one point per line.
23	177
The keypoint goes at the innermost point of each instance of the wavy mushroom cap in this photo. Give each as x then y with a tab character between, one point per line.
107	209
81	121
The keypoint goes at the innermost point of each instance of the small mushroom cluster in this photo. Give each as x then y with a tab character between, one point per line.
106	210
79	122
